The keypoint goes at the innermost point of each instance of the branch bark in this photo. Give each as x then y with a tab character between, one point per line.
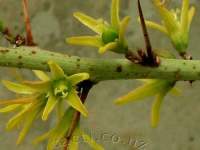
99	69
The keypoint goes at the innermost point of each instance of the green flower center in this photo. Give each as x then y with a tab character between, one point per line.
109	35
62	88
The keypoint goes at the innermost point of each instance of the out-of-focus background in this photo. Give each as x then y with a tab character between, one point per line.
116	128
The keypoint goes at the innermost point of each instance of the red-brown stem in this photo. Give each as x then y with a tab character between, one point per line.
29	36
84	89
149	50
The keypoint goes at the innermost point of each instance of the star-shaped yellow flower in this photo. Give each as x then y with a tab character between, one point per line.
55	135
109	36
175	23
157	88
39	98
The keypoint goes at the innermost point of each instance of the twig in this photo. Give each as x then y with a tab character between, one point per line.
84	89
35	58
29	36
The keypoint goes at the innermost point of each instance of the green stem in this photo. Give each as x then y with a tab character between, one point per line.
99	69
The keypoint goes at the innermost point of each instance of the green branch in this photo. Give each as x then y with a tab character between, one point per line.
99	69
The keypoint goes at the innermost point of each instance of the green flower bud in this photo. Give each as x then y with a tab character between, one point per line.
109	35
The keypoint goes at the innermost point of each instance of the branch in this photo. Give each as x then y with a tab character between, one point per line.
84	89
99	69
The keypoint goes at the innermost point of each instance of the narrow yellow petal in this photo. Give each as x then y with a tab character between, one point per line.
41	75
169	19
76	78
75	102
59	110
184	14
110	46
123	27
156	26
115	21
42	137
25	100
9	108
18	88
27	124
41	86
191	15
56	71
60	130
96	25
144	91
94	41
155	111
164	53
51	103
91	142
15	120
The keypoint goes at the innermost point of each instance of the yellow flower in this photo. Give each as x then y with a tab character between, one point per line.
55	136
175	23
39	98
157	88
109	36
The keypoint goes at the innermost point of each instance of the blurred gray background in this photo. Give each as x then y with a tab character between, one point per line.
116	128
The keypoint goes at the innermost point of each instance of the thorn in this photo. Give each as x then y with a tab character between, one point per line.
29	37
150	54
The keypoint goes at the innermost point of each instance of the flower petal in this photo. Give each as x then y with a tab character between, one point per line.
60	130
27	124
164	53
96	25
123	27
191	15
42	137
156	26
94	41
25	100
41	75
110	46
18	88
77	78
91	142
169	19
41	86
75	102
56	71
15	120
115	21
144	91
59	110
9	108
184	14
155	111
51	103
